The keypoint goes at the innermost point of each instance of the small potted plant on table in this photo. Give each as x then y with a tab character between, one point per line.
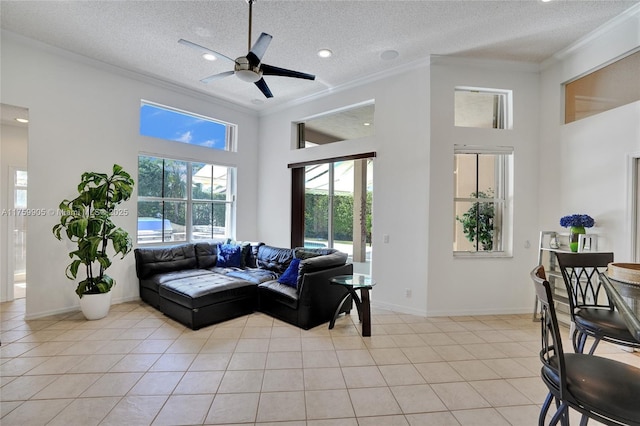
86	221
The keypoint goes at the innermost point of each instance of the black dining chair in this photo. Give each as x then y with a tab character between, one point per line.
592	313
599	388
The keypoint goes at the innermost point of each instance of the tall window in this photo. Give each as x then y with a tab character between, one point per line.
184	201
168	123
482	203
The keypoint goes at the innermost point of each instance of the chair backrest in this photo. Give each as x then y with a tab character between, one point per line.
551	353
580	272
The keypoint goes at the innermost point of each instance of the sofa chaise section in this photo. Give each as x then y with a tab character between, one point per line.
314	300
172	282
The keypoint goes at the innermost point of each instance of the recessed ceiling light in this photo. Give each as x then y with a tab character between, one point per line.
22	120
325	53
366	124
389	55
209	56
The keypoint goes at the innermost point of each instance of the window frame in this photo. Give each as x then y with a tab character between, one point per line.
189	200
231	144
607	86
503	108
345	117
503	194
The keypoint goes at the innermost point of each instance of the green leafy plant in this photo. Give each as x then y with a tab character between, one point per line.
477	222
86	221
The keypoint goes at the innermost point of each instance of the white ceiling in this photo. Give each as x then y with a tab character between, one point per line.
142	36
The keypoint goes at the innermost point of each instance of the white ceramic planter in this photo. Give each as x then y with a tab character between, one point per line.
95	306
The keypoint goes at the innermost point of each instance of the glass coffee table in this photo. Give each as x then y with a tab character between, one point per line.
354	282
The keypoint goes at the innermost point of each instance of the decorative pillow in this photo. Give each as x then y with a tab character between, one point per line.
290	275
229	255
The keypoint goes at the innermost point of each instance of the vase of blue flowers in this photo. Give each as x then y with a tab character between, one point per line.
576	224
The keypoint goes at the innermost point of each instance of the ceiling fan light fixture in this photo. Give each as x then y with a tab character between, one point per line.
325	53
248	75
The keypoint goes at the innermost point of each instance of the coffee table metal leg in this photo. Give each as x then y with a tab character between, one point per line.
366	312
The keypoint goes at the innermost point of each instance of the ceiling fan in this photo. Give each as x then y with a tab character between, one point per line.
250	68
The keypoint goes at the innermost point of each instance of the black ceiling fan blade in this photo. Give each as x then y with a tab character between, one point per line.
262	85
217	76
271	70
203	49
259	47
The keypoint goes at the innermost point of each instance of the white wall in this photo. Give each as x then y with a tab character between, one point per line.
400	178
413	187
465	286
586	164
13	154
85	116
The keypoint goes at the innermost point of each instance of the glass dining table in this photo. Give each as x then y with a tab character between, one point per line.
625	296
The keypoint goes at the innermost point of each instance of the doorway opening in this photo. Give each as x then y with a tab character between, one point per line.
14	132
18	235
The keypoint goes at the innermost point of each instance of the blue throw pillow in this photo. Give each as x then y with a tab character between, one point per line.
229	255
290	275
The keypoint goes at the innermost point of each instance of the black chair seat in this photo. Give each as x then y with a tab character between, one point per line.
611	388
599	388
591	310
603	322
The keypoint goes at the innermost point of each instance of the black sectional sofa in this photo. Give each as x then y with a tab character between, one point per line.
208	282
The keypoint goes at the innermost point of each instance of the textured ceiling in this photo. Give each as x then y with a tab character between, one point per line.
142	36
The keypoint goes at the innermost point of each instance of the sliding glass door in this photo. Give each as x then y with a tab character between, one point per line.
337	208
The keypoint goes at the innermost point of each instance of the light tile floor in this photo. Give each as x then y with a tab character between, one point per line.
137	367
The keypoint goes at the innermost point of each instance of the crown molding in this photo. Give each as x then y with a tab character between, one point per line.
632	12
134	75
404	68
370	78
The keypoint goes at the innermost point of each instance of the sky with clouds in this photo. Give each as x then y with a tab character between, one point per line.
180	127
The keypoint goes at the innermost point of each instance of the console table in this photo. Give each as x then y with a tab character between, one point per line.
352	283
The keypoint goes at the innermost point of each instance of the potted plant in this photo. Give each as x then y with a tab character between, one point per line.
477	222
86	221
